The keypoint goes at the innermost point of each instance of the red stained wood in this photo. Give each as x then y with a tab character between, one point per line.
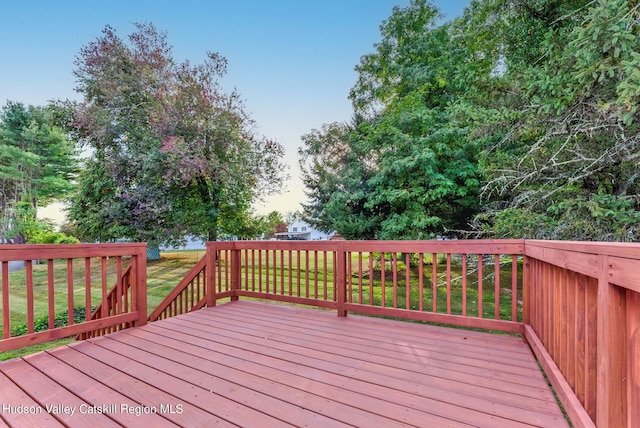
579	417
115	303
257	364
579	299
14	397
30	302
464	285
383	290
394	271
449	284
480	281
496	288
50	294
421	281
633	367
514	288
407	281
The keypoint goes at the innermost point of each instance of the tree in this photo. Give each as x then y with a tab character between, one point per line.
568	167
405	169
173	154
37	165
518	119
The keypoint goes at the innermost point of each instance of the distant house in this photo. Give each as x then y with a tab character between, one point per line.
303	231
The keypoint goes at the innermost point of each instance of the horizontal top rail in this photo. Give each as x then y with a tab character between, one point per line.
618	249
622	259
480	246
14	252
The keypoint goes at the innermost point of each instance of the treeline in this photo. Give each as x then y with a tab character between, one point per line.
37	166
517	119
168	154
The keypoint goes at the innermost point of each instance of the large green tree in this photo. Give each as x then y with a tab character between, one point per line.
568	167
517	119
406	168
37	165
173	155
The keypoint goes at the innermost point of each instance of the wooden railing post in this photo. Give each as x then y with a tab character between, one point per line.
139	275
341	279
611	351
236	272
633	363
211	274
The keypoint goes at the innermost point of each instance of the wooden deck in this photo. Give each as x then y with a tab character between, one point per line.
265	365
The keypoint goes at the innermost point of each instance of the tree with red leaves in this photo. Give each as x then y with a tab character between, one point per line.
173	155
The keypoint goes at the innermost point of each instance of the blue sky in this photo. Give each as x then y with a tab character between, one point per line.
291	60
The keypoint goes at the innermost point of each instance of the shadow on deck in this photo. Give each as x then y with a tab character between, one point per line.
257	364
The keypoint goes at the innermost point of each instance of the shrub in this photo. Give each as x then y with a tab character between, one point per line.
42	323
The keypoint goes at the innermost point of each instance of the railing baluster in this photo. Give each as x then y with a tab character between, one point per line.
496	304
382	284
245	264
299	275
359	277
103	271
282	272
370	278
70	291
120	285
260	271
349	277
324	275
253	270
407	266
448	283
306	277
394	267
434	282
514	287
291	273
275	272
30	297
268	272
464	285
421	281
51	294
6	311
480	291
315	275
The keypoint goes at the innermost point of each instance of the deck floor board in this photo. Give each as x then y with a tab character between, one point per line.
261	364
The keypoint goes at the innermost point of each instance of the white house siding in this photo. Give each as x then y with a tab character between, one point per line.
300	229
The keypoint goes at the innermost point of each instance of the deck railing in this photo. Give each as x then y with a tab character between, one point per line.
388	278
582	319
577	304
78	275
189	295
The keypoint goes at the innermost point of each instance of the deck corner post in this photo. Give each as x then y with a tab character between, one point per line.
140	282
611	356
633	362
211	274
341	279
